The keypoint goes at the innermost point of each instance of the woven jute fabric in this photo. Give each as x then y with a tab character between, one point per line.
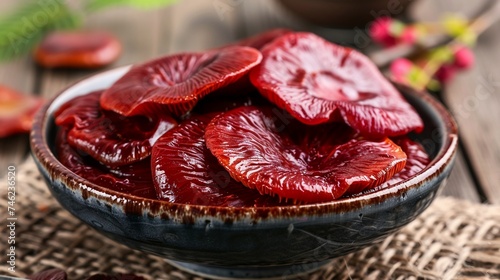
453	239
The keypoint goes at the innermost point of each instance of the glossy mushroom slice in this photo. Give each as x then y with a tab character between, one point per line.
317	82
108	137
216	103
175	83
185	171
258	41
16	111
134	179
417	160
299	162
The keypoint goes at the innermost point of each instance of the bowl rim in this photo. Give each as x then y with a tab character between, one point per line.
131	204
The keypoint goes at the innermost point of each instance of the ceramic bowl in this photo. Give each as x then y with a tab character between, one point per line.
345	14
246	242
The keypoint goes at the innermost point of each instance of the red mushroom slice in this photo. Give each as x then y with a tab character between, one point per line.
243	85
216	104
175	83
309	164
185	171
77	49
317	82
108	137
133	179
17	111
417	160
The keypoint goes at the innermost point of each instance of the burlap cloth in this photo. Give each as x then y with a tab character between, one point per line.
453	239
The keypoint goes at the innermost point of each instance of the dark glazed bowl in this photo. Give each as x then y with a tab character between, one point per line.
246	242
345	14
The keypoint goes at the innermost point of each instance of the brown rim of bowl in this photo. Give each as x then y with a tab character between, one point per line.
137	205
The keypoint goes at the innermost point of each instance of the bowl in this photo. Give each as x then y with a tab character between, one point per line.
345	14
246	242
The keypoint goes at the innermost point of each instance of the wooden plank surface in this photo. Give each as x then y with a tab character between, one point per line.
432	10
18	74
199	24
460	183
474	97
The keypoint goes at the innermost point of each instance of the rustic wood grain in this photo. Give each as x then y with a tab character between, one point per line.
460	183
199	24
474	97
18	74
260	15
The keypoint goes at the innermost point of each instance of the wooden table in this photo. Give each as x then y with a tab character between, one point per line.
473	97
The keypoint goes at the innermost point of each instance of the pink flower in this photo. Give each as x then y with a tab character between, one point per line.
409	35
463	58
380	31
400	68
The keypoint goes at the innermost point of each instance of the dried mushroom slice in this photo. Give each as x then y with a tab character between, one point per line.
298	162
175	83
317	82
108	137
185	171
